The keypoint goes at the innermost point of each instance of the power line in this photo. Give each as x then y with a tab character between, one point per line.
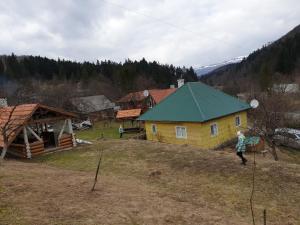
170	24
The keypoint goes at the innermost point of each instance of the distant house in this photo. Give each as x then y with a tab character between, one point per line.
142	101
97	107
196	114
34	129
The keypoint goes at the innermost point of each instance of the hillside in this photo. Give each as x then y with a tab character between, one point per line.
275	62
35	78
195	187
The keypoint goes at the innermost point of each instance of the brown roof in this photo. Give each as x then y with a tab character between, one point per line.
160	94
133	96
130	113
18	116
156	94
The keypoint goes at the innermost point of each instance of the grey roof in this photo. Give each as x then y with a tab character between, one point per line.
94	103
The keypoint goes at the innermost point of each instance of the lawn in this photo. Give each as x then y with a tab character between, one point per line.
195	186
103	129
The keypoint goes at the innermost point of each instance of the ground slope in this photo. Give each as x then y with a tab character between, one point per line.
195	187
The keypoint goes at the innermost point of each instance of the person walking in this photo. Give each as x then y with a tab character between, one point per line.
121	131
241	147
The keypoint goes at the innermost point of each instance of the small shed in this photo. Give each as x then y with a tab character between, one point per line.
129	115
33	129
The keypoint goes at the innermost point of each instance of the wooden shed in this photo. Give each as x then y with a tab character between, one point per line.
33	129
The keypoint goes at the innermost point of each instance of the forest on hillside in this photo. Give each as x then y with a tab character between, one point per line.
54	82
278	62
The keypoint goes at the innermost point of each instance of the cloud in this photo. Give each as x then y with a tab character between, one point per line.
193	33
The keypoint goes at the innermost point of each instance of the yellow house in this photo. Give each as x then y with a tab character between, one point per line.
196	114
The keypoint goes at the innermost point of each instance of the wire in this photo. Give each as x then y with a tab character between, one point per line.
171	24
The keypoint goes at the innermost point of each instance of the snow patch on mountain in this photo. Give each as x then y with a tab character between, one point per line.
202	70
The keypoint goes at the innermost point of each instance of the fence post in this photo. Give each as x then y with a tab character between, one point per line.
265	217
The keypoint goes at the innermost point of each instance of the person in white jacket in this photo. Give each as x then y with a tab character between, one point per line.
241	147
121	131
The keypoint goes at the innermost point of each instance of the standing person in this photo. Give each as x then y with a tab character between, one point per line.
241	147
121	131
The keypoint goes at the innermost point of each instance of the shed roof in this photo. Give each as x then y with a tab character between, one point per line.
17	116
195	102
130	113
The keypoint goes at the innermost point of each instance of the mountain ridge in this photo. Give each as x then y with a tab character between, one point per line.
278	61
202	70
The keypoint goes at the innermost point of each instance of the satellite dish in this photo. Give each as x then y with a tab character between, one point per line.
146	93
254	103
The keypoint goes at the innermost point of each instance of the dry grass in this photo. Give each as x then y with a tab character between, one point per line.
195	187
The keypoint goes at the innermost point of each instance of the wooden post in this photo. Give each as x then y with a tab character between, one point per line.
4	150
265	217
62	130
70	129
97	170
34	134
26	143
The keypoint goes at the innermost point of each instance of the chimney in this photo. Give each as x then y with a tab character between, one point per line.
3	102
172	86
180	82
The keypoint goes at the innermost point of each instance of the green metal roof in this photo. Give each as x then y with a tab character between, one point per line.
194	102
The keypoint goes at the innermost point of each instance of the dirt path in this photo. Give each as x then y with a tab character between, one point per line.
38	194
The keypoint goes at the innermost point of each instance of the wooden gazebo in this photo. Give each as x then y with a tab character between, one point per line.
33	129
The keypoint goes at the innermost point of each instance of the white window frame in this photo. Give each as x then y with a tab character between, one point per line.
217	129
154	125
182	136
240	120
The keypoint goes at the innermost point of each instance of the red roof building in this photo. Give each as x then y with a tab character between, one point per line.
144	99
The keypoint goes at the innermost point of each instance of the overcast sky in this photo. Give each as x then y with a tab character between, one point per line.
190	33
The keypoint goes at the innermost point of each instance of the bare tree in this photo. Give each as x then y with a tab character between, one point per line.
8	126
270	115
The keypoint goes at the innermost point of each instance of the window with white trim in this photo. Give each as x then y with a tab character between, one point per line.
154	128
237	121
213	129
181	132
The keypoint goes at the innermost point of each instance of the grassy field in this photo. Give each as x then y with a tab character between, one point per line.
195	187
103	129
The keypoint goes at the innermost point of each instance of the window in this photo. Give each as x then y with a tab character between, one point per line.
181	132
237	121
214	129
154	129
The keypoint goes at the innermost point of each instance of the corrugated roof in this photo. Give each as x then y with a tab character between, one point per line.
90	104
195	102
130	113
19	116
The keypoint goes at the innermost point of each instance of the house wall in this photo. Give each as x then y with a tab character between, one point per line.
198	134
